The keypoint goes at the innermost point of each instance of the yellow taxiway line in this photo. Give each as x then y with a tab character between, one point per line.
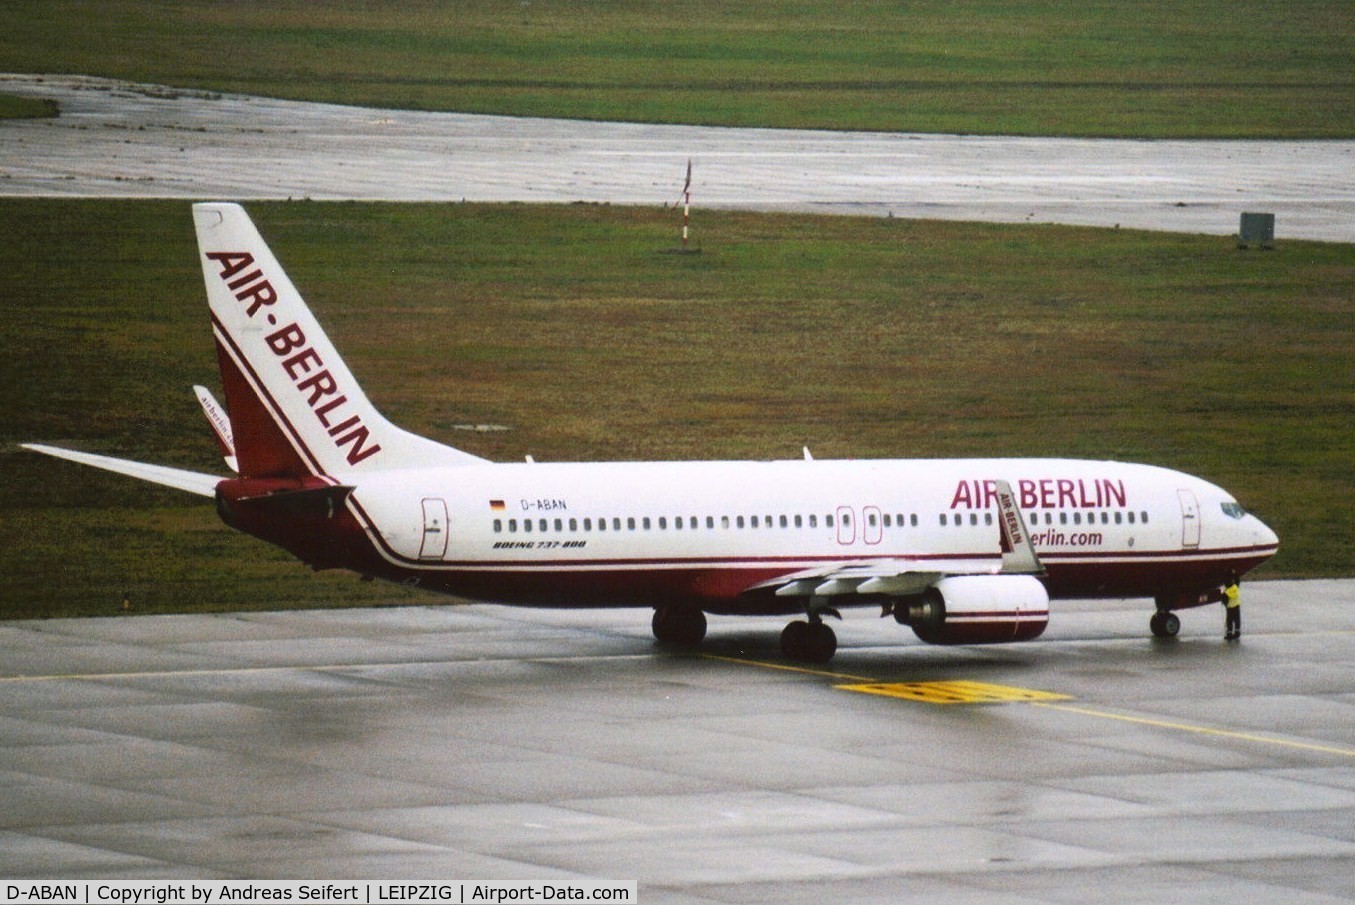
965	692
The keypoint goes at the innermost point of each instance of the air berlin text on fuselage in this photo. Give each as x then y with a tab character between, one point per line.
302	363
1046	493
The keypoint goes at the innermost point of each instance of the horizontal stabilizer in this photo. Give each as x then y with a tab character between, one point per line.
178	478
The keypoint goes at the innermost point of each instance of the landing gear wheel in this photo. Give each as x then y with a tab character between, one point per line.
1165	625
822	643
808	642
679	626
793	640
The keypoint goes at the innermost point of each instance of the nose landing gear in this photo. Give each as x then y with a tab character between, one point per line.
1164	624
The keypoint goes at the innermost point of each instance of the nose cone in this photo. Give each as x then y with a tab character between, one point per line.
1265	537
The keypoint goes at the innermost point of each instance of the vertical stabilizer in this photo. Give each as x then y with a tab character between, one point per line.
294	406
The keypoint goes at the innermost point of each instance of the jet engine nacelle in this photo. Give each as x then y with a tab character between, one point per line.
979	609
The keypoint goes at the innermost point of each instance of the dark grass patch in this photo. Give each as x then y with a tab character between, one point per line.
1203	68
26	108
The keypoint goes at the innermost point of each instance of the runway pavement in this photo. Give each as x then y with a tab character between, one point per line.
116	139
487	743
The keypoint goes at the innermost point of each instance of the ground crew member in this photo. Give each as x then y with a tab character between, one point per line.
1232	604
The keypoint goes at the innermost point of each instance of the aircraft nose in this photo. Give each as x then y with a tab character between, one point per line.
1265	535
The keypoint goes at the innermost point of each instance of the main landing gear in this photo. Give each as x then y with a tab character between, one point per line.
679	626
811	641
808	641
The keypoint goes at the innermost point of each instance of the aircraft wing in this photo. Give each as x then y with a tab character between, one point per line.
906	577
178	478
895	577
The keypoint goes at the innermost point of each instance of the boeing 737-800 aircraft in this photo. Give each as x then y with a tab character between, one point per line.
964	551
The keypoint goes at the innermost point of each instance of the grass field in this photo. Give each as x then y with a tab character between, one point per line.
1192	68
581	330
25	108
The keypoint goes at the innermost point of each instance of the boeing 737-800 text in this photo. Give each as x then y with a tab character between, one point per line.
964	551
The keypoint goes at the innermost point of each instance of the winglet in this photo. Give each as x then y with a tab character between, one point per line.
1018	550
221	426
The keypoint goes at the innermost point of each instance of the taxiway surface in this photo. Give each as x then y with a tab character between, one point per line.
490	743
117	139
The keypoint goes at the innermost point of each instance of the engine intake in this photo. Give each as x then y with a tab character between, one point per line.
978	609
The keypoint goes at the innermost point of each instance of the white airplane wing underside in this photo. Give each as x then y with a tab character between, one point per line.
895	577
178	478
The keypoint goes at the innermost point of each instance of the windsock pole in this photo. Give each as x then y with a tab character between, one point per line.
686	203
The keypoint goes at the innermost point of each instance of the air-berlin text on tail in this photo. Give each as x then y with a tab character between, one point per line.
1045	493
252	289
302	364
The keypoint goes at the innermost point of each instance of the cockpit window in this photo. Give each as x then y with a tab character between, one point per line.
1233	510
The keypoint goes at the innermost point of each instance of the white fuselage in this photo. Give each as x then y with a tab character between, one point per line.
611	533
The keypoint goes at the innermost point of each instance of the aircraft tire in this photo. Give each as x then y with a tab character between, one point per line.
794	640
679	626
808	643
822	643
1165	625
